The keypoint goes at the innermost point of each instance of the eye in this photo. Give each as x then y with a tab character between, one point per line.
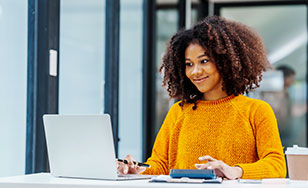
188	64
203	61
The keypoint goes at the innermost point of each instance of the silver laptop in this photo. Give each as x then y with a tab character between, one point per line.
81	146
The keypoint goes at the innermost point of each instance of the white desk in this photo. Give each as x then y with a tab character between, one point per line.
45	180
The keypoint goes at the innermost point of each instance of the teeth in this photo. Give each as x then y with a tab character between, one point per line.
200	79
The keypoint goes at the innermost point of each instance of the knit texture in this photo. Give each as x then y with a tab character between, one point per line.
239	131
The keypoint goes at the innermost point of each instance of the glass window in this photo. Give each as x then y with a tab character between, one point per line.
284	31
81	79
167	25
194	16
13	80
130	86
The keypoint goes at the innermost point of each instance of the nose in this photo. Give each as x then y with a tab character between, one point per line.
197	70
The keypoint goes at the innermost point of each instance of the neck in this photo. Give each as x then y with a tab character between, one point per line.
214	96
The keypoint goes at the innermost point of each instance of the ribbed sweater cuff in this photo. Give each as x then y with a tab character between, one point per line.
251	172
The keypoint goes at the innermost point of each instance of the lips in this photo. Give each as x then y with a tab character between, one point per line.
200	80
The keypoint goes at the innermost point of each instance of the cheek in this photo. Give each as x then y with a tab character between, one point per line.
187	72
211	69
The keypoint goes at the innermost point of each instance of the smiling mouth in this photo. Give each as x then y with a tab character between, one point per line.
199	80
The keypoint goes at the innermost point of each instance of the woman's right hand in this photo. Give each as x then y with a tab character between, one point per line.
129	168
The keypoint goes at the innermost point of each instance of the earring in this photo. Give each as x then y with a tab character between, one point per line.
192	96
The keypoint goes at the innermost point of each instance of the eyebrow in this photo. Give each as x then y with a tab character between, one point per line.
205	54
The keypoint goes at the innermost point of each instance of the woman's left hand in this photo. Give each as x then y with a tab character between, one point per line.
221	169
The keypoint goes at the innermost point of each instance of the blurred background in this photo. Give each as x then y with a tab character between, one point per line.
107	57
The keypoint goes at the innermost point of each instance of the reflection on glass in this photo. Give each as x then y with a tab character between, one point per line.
130	94
167	20
167	25
81	56
194	16
284	31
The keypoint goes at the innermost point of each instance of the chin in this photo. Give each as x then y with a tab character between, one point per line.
202	90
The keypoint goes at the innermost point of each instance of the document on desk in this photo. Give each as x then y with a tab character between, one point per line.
168	179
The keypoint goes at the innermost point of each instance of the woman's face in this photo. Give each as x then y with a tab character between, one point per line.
202	72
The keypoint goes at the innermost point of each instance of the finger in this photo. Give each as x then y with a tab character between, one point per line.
141	169
211	166
200	166
125	170
208	165
219	173
130	160
129	157
221	169
206	158
117	163
214	165
120	169
204	166
119	166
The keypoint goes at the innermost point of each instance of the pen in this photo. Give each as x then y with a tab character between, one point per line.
135	163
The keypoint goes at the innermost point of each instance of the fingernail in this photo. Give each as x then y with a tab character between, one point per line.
142	169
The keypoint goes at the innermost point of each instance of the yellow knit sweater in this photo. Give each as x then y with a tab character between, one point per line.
239	130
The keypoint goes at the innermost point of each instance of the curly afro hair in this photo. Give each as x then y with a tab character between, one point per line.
236	49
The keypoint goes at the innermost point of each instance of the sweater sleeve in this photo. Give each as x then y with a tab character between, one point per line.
271	163
159	158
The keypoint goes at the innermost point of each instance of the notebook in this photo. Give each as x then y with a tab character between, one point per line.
81	146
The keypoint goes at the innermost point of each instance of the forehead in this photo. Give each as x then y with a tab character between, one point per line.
195	49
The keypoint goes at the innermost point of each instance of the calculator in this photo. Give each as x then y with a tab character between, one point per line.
192	173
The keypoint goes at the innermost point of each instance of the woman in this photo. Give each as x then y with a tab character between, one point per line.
214	126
